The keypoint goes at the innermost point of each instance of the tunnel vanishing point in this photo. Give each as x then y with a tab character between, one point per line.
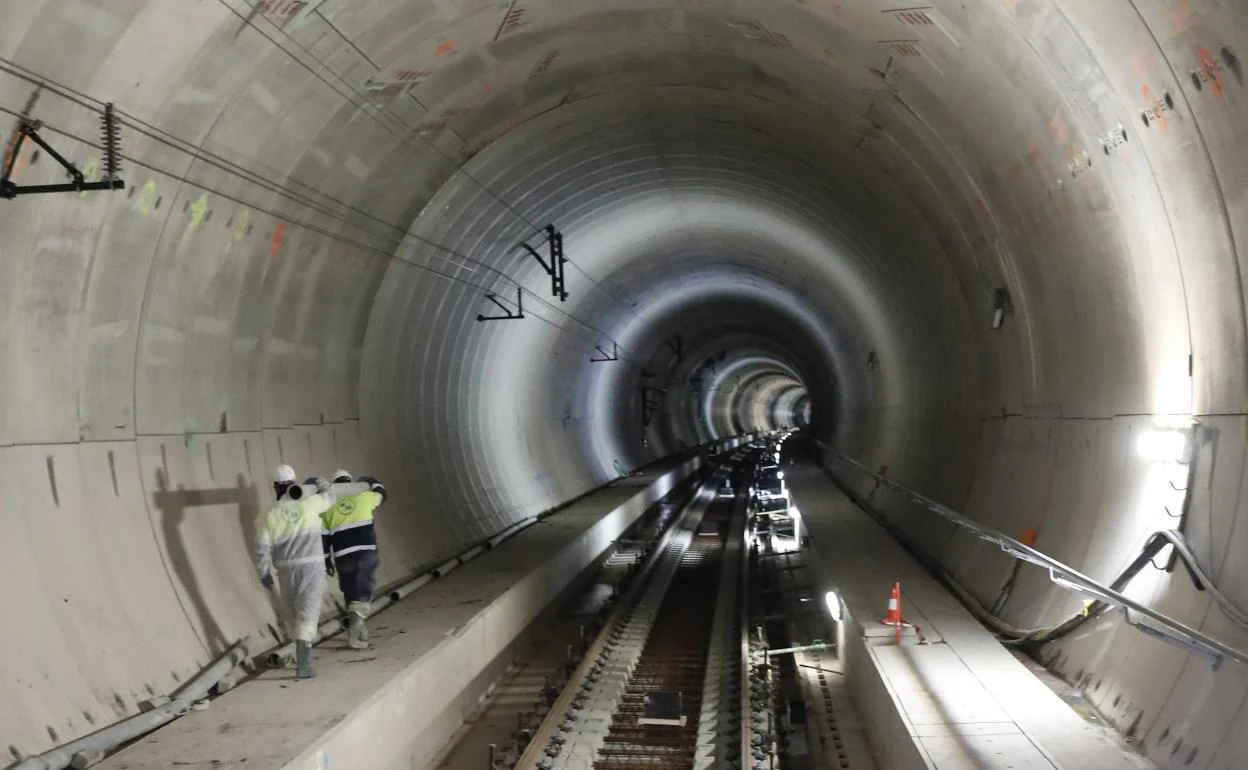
501	254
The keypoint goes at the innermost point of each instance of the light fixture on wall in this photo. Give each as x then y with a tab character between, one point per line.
1001	305
1163	445
834	604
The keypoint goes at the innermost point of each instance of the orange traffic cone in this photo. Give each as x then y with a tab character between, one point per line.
893	617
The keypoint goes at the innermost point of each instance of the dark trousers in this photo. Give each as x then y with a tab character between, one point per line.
357	576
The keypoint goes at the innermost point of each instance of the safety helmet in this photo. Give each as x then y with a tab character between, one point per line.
341	477
284	474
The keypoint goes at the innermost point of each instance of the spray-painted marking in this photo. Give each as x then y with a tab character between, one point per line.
199	210
513	19
88	173
241	224
1181	18
1210	73
446	48
545	62
1080	161
145	201
385	87
1057	130
278	240
1154	110
21	157
281	12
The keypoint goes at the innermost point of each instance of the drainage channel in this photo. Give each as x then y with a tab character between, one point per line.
660	685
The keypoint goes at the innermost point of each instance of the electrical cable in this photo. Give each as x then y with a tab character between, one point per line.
405	130
230	167
600	335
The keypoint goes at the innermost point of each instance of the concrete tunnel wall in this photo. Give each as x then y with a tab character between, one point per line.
828	192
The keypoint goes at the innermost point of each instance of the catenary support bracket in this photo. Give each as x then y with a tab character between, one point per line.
28	128
554	261
509	315
603	356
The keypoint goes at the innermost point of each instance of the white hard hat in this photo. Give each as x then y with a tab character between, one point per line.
341	474
284	474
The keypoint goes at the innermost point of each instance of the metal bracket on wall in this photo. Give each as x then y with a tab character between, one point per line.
603	356
677	346
28	128
649	404
553	268
510	316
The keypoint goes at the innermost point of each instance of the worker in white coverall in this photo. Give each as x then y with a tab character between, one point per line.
351	550
288	541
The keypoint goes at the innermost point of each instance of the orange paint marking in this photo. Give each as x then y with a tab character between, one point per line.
279	238
21	157
1181	18
487	89
1211	69
1057	130
446	47
1010	5
1138	60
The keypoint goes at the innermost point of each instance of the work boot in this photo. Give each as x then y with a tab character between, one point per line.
303	660
357	635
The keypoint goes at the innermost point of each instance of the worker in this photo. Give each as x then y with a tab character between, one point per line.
289	542
351	550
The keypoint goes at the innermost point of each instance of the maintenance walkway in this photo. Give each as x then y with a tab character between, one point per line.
960	700
394	706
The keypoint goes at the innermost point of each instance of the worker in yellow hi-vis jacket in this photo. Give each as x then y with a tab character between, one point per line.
351	550
288	541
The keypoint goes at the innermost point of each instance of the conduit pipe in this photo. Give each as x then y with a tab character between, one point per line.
1167	629
89	749
343	489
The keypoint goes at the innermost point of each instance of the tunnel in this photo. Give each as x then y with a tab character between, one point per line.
501	255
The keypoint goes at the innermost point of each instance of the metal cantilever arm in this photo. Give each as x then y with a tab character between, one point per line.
1160	626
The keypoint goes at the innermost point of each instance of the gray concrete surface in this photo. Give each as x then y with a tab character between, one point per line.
829	192
950	697
433	656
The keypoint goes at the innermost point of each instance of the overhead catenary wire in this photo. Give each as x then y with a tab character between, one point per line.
230	167
590	332
404	129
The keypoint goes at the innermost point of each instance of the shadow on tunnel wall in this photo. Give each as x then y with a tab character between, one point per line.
175	508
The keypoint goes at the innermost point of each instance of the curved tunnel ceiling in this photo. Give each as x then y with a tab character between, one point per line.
775	213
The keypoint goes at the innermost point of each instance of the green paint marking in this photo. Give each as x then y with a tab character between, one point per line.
146	199
88	171
240	223
199	209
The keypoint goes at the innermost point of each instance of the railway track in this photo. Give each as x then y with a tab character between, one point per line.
655	724
660	688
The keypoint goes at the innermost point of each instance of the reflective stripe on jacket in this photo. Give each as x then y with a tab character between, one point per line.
289	533
349	524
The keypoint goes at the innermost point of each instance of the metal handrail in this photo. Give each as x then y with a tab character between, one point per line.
1166	629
